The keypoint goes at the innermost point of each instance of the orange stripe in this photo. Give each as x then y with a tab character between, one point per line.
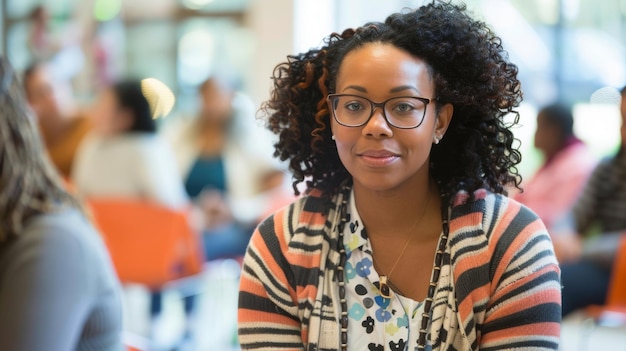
504	336
251	316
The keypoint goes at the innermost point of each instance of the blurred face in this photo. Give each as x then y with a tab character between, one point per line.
378	156
547	136
216	103
108	118
43	95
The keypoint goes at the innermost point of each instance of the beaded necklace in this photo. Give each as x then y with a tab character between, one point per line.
434	279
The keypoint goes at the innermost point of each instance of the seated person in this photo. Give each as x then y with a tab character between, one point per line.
554	188
587	239
58	290
62	130
227	172
124	156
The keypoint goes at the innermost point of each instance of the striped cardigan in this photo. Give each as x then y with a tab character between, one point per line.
499	288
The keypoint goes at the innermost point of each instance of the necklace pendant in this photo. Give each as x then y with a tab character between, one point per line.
385	290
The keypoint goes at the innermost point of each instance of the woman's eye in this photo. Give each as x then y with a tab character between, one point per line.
404	107
353	106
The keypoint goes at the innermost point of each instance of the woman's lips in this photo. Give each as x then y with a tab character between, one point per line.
378	158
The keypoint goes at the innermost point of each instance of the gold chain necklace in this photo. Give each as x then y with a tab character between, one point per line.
434	278
385	279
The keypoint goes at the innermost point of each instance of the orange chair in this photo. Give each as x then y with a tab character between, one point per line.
614	311
149	244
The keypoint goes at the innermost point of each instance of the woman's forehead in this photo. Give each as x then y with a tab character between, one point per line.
379	66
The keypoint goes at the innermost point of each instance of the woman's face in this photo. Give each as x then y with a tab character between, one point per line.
108	117
217	103
548	138
44	95
378	156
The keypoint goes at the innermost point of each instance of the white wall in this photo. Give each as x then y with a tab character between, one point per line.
271	21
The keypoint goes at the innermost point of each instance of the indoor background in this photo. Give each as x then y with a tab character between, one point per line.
567	50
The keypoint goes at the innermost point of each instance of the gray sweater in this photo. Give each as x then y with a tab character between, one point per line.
58	290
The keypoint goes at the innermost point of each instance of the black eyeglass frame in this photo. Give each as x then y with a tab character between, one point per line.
373	105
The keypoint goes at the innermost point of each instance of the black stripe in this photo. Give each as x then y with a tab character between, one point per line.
254	302
523	345
469	208
272	345
547	312
268	331
495	214
457	238
306	276
469	328
315	204
266	229
530	245
275	284
469	249
471	279
520	267
522	219
520	290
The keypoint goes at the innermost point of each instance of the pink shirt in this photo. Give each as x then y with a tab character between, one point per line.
553	190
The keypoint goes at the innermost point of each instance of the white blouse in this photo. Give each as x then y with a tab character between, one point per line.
375	323
138	166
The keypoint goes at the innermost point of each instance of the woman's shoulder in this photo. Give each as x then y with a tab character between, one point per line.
307	210
59	238
63	228
487	210
307	215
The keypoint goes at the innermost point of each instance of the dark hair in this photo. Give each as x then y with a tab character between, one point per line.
560	116
131	97
29	184
470	70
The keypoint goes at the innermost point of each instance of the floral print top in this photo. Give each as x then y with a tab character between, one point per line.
375	323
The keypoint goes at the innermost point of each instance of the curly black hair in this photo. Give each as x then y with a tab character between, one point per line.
470	70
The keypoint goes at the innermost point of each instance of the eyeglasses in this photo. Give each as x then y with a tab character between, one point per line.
404	112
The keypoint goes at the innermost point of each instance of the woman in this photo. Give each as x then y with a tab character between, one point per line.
58	290
397	129
598	216
124	156
62	129
223	170
552	191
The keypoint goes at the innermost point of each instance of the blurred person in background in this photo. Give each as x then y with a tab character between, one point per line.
125	157
554	188
587	239
61	127
58	290
55	43
224	168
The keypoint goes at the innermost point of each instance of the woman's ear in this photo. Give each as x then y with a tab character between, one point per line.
443	120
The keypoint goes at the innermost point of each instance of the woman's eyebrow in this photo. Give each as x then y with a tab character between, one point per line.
356	87
402	88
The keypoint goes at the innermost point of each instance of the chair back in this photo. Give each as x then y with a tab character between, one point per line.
149	244
617	287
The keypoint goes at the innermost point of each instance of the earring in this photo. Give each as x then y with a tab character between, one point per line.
333	137
436	140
